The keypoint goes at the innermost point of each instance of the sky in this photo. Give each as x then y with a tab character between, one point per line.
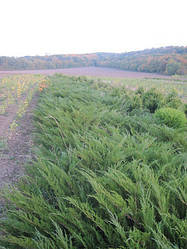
40	27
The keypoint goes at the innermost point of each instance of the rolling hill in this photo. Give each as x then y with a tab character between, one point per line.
165	60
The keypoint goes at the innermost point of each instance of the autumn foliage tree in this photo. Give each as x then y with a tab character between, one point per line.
167	60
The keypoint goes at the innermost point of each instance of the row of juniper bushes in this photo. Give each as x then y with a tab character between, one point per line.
109	171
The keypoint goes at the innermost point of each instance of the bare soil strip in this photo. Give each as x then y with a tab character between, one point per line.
88	71
6	120
18	146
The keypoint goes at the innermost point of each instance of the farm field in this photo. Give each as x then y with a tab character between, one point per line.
108	172
88	71
132	80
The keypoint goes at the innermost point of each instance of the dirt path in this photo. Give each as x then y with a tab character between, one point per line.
17	149
6	120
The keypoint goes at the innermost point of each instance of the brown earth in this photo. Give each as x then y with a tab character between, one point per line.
88	71
6	119
18	146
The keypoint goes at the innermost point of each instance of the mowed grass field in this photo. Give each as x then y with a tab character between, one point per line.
108	172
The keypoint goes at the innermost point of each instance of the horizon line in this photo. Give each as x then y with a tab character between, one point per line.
87	53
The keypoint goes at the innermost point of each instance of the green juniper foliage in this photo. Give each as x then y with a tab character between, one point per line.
107	173
171	117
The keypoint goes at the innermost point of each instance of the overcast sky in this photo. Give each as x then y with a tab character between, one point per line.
39	27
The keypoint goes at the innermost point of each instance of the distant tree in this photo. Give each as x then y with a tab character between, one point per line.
168	60
172	68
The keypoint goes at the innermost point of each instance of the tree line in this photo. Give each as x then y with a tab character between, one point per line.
165	60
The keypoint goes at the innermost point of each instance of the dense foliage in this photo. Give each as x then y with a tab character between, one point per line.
171	117
107	174
168	60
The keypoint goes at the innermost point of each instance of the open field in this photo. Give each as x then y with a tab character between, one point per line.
88	71
16	92
132	80
108	173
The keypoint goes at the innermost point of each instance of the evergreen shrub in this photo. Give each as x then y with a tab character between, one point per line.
171	117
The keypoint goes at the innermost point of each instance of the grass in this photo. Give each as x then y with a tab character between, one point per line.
107	174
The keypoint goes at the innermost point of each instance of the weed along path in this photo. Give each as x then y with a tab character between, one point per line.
18	98
6	120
